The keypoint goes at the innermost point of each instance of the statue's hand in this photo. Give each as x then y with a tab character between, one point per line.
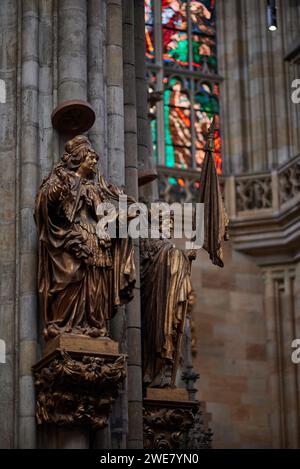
103	236
192	254
81	251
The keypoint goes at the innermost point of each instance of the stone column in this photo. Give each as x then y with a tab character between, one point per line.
144	138
116	173
272	354
55	139
115	105
64	438
281	320
297	324
96	72
258	118
135	422
141	83
96	69
72	50
28	247
46	100
72	84
8	215
290	384
232	115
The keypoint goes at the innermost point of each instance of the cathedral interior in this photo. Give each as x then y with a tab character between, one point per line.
152	76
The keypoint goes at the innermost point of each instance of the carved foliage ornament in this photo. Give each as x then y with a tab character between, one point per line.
78	391
165	428
199	436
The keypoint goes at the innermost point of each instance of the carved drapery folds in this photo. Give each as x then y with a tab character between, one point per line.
83	274
75	388
165	294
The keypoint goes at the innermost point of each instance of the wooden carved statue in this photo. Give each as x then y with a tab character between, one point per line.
166	289
165	295
82	276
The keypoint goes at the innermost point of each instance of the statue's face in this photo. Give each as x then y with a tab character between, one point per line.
167	227
88	166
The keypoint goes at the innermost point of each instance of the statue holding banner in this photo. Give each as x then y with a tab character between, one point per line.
166	289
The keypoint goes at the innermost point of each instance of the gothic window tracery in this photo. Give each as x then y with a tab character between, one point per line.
182	63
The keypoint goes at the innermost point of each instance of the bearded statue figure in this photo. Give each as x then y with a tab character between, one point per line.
83	275
166	293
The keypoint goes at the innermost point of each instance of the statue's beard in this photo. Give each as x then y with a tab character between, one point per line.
90	173
93	172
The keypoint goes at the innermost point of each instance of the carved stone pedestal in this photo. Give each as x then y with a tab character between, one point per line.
168	416
77	381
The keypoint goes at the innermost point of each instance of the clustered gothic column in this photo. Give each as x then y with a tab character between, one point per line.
144	139
96	77
47	100
297	321
281	320
259	120
141	84
9	185
59	50
135	433
72	50
116	173
115	97
28	314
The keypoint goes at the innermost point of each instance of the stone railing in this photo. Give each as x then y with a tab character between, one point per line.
289	180
253	192
263	208
265	191
269	191
179	185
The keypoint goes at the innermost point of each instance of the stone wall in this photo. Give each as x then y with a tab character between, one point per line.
260	124
8	215
246	316
231	357
52	51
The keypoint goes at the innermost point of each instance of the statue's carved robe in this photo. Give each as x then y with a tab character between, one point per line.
81	279
165	292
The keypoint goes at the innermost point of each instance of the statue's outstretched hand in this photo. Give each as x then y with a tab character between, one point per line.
192	254
103	236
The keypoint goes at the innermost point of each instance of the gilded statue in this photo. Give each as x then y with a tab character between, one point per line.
166	292
83	274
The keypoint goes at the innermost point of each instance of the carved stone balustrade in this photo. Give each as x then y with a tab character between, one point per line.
263	208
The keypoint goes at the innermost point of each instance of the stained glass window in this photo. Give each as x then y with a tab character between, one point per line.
185	67
149	30
177	114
